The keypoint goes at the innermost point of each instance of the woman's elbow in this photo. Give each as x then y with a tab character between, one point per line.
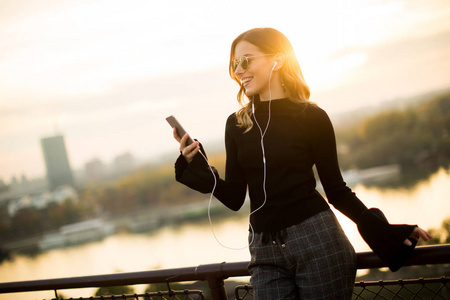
235	207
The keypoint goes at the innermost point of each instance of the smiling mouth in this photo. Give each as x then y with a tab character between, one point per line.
245	81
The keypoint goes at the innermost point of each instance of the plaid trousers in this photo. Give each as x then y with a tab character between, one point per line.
311	260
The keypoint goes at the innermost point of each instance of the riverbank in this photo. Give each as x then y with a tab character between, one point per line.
97	229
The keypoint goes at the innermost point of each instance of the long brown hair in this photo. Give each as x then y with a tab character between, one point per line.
270	41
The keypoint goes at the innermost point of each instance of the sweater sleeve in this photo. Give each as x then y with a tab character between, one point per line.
323	148
197	175
385	239
233	190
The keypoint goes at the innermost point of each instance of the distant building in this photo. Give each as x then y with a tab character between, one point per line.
16	189
57	163
124	163
43	199
95	169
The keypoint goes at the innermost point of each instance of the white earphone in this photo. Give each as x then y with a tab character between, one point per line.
262	133
273	68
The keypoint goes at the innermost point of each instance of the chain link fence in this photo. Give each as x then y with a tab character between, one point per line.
169	295
425	289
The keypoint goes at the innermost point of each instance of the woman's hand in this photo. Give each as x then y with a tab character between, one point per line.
187	151
417	234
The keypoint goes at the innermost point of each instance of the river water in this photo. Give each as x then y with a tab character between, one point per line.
425	204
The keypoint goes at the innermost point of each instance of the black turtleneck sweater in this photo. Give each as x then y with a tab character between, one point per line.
298	136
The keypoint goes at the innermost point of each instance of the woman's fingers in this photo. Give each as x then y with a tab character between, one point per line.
183	142
418	233
190	151
175	134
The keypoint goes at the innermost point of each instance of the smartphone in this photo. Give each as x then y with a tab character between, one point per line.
181	132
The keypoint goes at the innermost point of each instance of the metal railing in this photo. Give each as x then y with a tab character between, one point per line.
214	275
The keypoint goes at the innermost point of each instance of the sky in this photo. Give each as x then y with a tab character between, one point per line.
107	73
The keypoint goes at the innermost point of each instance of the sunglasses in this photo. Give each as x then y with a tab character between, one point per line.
244	61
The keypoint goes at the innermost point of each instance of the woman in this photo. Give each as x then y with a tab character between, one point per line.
298	249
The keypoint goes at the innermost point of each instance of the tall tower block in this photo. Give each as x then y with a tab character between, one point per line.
57	163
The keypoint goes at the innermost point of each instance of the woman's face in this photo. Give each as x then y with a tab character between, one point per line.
254	79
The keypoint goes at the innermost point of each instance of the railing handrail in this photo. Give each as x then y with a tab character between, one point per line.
213	273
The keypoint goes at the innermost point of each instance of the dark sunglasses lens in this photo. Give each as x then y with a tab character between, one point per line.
234	65
244	63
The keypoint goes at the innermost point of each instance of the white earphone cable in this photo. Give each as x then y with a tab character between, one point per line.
264	174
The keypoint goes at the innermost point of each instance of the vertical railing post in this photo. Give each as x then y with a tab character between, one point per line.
217	288
214	275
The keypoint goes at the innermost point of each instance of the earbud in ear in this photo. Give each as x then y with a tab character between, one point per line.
274	65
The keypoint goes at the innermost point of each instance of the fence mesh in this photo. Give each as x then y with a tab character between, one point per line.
169	295
403	289
426	289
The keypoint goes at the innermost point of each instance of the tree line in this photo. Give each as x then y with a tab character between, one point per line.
417	138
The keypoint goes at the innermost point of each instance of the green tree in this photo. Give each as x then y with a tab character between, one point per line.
27	221
114	290
416	137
